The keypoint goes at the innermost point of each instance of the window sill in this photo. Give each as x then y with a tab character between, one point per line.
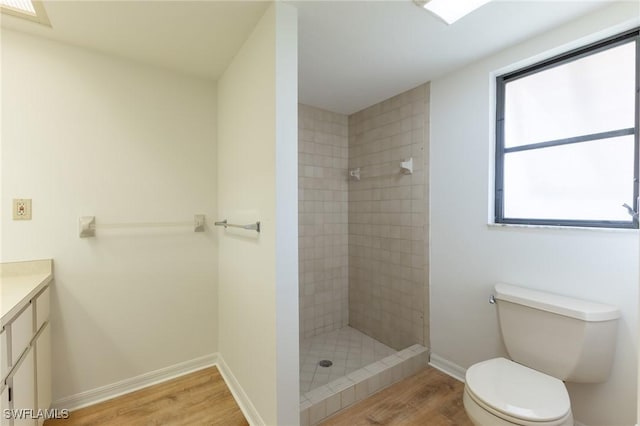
511	226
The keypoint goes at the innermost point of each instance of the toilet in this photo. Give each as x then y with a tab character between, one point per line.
550	339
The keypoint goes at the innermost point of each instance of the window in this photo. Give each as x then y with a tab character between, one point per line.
33	10
567	138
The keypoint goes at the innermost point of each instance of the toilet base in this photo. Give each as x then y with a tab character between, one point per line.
481	417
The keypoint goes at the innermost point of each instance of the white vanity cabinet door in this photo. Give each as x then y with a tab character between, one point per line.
21	333
4	405
4	356
42	308
23	389
43	369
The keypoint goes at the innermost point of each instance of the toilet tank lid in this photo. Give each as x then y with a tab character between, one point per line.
561	305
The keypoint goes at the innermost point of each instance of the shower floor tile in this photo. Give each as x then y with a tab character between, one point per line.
347	348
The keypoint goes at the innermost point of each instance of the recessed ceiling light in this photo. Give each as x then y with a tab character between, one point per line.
27	9
22	5
451	10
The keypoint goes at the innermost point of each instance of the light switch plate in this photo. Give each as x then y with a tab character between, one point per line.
21	209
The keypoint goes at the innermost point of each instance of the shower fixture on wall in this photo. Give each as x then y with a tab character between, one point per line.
355	173
406	166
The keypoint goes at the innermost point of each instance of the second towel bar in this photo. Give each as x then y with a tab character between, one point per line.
250	227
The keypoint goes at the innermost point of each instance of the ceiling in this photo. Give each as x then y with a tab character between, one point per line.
356	54
352	54
198	38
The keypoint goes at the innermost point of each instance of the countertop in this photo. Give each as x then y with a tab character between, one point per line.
19	282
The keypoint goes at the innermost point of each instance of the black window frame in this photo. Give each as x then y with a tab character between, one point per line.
502	80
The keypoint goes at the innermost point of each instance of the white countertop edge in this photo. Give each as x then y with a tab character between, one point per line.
32	277
25	267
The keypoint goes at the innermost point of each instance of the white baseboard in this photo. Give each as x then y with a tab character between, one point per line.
113	390
447	367
104	393
245	404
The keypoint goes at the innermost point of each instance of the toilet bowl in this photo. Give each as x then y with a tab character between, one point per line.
500	392
550	339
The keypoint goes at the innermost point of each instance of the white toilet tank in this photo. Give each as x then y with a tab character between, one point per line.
570	339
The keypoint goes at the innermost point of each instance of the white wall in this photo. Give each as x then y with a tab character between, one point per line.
88	134
257	180
468	257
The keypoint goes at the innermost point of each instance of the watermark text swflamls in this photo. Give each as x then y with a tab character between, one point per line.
30	413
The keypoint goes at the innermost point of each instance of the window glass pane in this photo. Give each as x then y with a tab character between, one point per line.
590	95
582	181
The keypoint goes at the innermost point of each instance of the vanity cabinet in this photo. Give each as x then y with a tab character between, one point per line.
25	346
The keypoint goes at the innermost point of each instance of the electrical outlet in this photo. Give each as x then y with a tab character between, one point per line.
21	209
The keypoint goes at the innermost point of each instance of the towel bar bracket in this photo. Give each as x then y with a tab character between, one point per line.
249	227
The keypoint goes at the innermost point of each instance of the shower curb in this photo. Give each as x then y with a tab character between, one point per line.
327	400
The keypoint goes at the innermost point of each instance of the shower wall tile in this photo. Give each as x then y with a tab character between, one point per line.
323	220
388	222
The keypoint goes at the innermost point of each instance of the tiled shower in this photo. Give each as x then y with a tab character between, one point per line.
388	220
363	249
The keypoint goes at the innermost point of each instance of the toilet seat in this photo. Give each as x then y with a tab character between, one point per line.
517	393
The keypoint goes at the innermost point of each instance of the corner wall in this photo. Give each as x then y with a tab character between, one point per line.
468	257
257	181
89	134
323	207
388	224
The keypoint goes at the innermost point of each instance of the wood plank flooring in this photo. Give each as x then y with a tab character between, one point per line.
428	398
200	398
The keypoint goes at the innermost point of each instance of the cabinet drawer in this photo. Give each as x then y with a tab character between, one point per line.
21	333
42	308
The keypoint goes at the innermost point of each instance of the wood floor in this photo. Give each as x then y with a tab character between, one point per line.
429	398
200	398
